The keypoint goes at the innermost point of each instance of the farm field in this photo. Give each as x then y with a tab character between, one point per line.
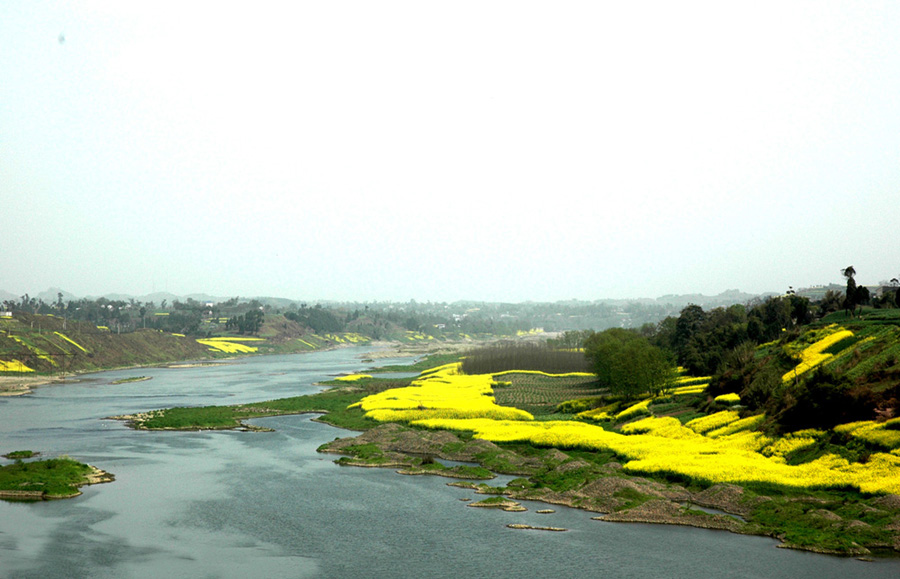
540	394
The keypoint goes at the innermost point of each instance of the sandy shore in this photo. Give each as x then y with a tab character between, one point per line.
18	385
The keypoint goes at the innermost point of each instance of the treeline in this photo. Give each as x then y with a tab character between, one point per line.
523	356
746	350
249	323
119	316
700	340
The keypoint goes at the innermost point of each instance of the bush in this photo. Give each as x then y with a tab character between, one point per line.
579	405
824	401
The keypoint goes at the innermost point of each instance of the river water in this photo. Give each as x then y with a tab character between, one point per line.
241	504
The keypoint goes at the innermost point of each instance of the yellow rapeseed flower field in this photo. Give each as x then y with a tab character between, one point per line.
713	421
883	434
440	393
719	448
731	459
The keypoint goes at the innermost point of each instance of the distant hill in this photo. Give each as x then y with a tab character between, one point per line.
51	295
724	299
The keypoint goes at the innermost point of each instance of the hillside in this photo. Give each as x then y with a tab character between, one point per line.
837	370
48	344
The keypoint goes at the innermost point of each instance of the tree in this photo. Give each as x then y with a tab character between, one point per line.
627	364
852	293
831	302
862	295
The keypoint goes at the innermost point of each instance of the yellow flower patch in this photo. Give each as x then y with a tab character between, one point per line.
728	398
440	393
790	443
813	355
71	341
731	459
642	407
597	414
692	389
13	366
749	423
692	380
41	354
713	421
665	426
878	433
352	377
229	345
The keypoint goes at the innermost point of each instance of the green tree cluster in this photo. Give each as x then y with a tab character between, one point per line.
319	319
248	323
628	364
701	340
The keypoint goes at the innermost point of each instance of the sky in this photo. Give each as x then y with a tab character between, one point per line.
442	151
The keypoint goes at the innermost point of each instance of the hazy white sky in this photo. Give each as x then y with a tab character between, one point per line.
448	150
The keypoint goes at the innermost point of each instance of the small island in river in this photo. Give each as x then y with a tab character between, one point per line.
53	478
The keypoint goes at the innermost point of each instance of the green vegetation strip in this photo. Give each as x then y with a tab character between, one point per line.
133	379
46	479
331	403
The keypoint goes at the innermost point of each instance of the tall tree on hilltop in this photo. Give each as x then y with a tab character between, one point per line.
852	294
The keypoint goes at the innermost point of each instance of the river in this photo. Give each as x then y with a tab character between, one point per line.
266	504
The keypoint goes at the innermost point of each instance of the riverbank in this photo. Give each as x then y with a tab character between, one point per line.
20	385
571	479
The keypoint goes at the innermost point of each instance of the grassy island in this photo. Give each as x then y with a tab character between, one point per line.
132	379
54	478
20	454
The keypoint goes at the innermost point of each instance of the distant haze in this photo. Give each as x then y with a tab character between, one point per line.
498	151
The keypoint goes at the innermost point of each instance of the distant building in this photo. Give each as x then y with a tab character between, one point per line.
883	290
5	314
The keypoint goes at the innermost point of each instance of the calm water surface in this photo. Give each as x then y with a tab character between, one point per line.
236	504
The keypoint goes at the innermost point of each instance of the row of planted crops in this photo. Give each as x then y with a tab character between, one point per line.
721	447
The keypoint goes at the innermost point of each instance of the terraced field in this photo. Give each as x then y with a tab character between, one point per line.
539	394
